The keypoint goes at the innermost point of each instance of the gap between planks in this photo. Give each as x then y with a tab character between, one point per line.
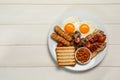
33	44
60	4
52	23
48	66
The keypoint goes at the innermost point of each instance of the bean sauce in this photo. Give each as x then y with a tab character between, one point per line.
83	55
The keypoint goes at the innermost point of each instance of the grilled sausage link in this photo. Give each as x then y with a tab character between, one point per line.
60	39
63	34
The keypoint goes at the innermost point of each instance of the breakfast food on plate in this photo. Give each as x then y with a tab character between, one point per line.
69	28
65	49
70	24
59	44
87	27
96	42
77	40
95	48
60	39
65	56
96	36
63	34
84	28
76	37
83	55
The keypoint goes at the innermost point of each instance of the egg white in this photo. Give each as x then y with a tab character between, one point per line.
92	27
74	20
77	22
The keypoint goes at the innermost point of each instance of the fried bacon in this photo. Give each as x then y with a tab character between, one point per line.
96	42
95	48
97	36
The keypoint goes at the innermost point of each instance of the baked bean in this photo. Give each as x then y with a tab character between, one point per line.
83	55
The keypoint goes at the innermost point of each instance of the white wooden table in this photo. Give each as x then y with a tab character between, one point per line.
24	26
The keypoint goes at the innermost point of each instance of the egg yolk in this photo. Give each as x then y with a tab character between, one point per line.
84	28
69	28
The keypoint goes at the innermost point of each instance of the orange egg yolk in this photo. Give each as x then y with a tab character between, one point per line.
84	28
69	28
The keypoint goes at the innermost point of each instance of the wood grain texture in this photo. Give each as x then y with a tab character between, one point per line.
26	56
24	26
37	34
44	14
60	1
53	73
23	34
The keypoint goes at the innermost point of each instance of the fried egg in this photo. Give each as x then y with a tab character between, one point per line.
70	24
87	27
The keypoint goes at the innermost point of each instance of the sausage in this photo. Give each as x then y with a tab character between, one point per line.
60	39
63	34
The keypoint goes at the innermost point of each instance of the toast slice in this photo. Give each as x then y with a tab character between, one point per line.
65	56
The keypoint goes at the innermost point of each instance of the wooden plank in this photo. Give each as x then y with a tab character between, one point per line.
42	14
53	73
113	32
25	56
60	1
23	34
40	56
37	34
112	56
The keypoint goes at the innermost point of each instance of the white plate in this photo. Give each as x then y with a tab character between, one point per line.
83	16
